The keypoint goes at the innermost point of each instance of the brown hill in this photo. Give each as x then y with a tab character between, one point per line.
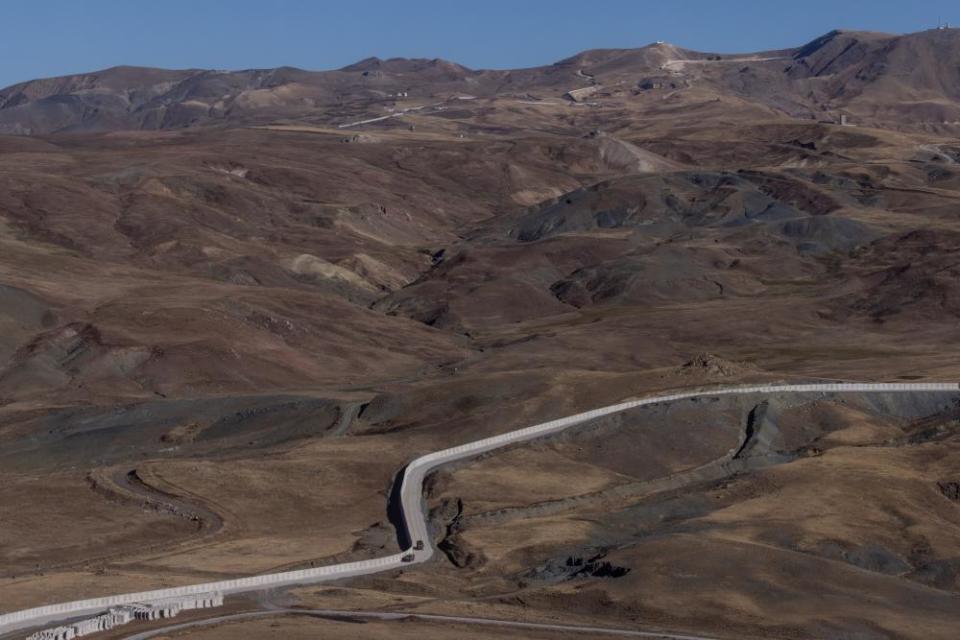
261	293
897	81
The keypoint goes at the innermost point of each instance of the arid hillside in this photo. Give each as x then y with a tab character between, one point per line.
907	82
233	305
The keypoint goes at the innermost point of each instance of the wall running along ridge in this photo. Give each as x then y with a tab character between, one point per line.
413	507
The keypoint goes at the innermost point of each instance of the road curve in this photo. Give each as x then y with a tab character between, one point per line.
414	508
429	617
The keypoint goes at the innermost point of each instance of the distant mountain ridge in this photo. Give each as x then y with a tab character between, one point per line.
881	76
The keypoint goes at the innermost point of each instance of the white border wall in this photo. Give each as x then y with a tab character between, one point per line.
412	505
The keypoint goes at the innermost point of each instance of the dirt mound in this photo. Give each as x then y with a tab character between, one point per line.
707	364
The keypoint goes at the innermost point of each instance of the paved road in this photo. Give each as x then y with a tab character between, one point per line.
392	615
396	114
414	510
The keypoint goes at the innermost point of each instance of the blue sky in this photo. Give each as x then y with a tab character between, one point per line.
40	38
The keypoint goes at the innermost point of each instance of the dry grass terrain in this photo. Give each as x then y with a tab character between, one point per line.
305	627
223	330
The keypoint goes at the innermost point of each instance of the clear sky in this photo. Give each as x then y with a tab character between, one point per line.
40	38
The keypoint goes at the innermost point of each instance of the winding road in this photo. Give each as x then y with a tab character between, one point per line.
414	519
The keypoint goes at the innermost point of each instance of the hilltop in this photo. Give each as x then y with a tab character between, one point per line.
885	80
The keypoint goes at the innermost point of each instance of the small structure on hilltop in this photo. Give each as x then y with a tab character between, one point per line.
710	365
843	120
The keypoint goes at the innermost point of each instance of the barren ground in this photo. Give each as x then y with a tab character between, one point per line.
218	345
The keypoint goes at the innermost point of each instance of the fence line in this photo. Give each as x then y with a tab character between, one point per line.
412	499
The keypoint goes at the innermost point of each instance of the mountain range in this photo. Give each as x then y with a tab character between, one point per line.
908	81
234	305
